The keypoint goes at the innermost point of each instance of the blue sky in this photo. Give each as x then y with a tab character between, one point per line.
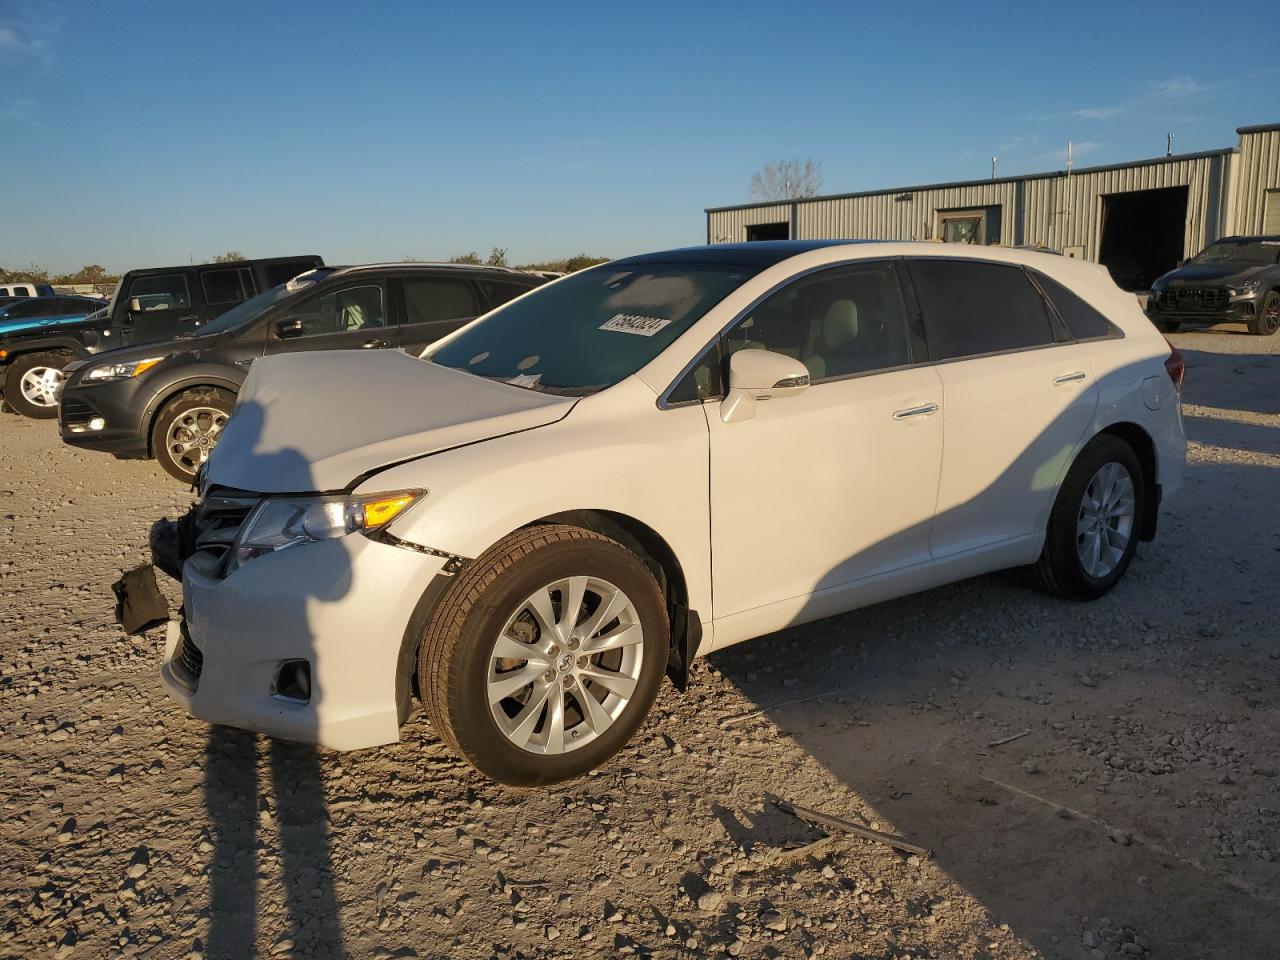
144	133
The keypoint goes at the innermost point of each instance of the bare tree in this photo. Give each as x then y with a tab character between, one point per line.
229	257
786	180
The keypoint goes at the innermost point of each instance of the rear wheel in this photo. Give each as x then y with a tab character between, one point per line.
1267	320
187	429
33	384
1095	521
544	655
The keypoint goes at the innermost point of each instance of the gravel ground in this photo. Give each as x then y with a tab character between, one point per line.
1137	816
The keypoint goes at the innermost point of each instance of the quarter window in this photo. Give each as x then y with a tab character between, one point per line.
342	311
1084	322
838	322
971	309
432	299
499	292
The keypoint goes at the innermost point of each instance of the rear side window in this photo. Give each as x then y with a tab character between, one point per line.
429	299
498	292
1084	322
971	309
226	286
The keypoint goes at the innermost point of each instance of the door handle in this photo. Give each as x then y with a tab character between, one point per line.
188	318
372	344
1070	378
922	410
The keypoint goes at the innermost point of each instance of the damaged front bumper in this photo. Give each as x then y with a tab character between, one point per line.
303	644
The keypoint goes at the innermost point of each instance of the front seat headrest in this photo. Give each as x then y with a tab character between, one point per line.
840	324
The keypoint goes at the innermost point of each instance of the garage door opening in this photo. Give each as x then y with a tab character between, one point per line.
769	231
1142	235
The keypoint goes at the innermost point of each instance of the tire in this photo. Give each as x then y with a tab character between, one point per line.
30	382
186	430
489	604
1061	570
1267	320
1167	326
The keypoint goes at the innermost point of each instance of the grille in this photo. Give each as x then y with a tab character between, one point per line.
74	411
187	661
218	519
1197	299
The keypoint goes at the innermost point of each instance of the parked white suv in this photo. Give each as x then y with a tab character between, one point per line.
650	460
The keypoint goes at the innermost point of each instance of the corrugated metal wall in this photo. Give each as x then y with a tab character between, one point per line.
730	226
905	216
1054	210
1258	170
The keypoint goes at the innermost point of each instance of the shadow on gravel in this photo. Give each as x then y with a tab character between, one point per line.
920	691
244	813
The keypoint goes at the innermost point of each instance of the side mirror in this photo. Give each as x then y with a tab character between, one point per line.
288	328
760	375
135	304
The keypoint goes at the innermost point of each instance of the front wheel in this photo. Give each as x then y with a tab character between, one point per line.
187	429
1094	525
544	655
1267	320
33	384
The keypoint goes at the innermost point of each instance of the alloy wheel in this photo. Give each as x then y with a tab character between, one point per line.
193	435
1104	524
565	665
40	386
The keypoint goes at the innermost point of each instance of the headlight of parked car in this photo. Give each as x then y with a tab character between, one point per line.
279	523
120	371
1247	286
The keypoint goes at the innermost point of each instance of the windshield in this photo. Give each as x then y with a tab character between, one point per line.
242	313
1253	252
592	329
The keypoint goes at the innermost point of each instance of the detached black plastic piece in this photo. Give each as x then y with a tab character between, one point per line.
686	635
172	541
139	604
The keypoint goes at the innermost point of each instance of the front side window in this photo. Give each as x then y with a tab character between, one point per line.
431	299
971	308
838	322
341	311
166	291
593	329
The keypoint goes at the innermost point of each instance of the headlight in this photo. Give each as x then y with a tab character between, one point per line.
121	371
1248	286
279	523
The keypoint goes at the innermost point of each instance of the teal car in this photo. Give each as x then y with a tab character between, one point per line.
40	313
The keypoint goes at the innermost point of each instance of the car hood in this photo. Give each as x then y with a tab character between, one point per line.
319	421
1195	273
141	351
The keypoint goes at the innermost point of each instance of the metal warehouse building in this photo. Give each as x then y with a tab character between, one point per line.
1140	218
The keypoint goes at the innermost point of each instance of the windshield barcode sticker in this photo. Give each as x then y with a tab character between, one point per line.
633	323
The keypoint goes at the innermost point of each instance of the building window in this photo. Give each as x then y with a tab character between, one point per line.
979	225
769	231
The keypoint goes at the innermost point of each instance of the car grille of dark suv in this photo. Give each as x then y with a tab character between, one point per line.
188	661
1195	300
74	412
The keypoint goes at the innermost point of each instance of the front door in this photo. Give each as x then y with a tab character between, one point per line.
1019	396
158	307
349	317
823	500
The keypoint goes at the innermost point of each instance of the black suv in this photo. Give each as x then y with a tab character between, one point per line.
1235	279
170	400
156	303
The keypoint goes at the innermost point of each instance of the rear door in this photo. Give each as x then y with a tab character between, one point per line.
434	305
158	306
344	316
1018	396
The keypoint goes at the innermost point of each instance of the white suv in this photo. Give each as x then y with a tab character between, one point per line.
650	460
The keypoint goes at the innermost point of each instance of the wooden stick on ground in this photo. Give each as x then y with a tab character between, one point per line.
888	839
